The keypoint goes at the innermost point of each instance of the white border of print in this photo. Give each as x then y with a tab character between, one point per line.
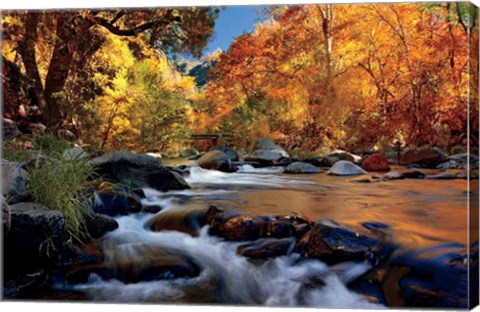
50	4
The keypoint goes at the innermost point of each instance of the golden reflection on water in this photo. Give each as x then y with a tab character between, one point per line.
421	213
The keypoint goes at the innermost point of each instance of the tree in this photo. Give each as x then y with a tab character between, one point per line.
77	38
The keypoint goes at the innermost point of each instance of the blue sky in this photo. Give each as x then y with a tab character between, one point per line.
233	21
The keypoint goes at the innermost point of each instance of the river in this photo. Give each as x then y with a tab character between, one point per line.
426	219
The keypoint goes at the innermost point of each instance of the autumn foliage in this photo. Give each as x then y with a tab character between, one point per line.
357	77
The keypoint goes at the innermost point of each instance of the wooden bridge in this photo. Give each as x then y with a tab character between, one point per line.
210	136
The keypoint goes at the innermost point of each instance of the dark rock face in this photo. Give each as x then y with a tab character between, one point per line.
117	202
267	248
335	244
98	225
231	154
138	171
426	157
216	160
34	235
301	167
376	162
413	175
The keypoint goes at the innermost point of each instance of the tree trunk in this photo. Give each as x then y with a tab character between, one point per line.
27	51
59	68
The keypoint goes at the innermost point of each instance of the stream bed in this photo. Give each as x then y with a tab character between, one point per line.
425	219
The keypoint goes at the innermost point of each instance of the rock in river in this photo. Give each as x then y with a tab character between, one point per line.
266	152
345	168
375	162
426	157
138	171
231	154
267	248
334	244
301	167
216	160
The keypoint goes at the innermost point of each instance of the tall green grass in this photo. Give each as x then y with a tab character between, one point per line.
61	185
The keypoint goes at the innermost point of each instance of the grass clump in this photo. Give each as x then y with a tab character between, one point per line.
51	145
15	151
61	185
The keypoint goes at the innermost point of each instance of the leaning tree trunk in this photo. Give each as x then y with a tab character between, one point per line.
27	51
59	68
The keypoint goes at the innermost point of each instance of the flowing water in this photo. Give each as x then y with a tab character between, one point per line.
426	218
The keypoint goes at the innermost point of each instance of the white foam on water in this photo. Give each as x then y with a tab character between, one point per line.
263	177
277	282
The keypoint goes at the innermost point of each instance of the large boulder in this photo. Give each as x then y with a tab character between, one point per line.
116	202
266	151
334	244
34	235
138	171
216	160
231	154
13	179
375	162
345	168
301	167
426	157
242	228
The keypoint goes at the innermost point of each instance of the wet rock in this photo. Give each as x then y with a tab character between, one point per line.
442	176
98	225
365	180
301	167
334	244
24	285
414	175
322	162
35	236
146	262
10	129
74	153
152	208
267	248
242	228
426	157
116	202
345	168
188	221
216	160
284	161
138	171
189	152
231	154
13	179
393	175
300	225
375	162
